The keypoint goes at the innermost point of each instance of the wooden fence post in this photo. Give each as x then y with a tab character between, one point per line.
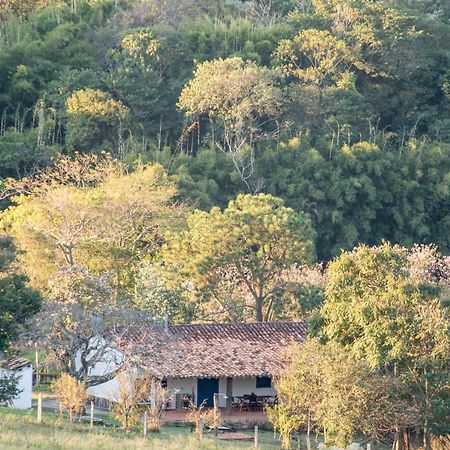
256	436
145	423
92	414
39	408
36	368
201	424
216	413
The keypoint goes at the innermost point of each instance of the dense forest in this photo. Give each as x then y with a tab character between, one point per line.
340	108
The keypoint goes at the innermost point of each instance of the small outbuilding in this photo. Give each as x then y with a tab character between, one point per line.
23	370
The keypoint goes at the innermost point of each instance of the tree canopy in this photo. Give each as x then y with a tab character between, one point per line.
389	306
237	260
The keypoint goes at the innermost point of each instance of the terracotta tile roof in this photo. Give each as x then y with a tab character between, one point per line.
220	350
14	363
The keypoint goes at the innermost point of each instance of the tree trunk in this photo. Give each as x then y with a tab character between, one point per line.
401	440
426	437
426	429
259	309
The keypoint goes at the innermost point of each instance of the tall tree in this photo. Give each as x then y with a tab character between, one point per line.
326	389
387	305
241	101
79	324
92	211
236	260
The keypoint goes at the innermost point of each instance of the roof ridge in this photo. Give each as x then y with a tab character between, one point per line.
292	322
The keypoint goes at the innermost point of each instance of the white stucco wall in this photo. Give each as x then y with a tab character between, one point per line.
181	386
110	362
25	383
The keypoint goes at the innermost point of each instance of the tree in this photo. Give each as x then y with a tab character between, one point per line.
314	56
241	100
94	212
94	117
81	325
387	305
9	388
21	7
18	302
158	301
235	260
327	389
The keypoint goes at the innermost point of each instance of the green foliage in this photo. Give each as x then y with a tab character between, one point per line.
314	56
326	389
346	73
363	192
9	388
18	302
238	98
159	302
386	304
236	259
94	212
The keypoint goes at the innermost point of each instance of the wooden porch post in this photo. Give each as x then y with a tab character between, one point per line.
229	394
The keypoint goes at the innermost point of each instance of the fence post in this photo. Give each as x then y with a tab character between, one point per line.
92	414
145	423
256	436
201	424
37	369
39	408
369	446
216	413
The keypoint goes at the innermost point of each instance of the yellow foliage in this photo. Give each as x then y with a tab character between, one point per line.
140	44
131	391
95	102
71	394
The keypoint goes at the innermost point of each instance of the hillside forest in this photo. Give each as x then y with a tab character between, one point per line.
236	161
340	108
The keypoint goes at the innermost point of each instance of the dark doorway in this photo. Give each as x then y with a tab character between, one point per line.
206	388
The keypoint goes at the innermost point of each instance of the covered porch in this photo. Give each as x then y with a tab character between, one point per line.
232	394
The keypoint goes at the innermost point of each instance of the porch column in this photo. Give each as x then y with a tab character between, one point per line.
229	394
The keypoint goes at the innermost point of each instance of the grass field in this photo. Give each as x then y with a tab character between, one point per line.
19	430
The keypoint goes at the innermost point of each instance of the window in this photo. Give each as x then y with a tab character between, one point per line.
164	383
263	382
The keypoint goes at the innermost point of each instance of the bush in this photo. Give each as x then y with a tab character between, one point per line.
9	389
71	394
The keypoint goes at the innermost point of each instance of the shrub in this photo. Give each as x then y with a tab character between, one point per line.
71	394
9	389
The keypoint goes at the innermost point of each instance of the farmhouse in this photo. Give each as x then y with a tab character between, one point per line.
22	369
234	360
